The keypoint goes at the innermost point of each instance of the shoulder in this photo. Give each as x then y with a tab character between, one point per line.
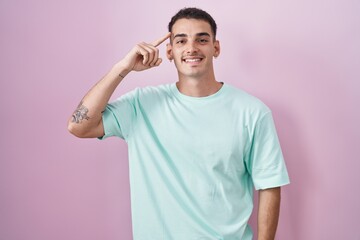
159	90
148	91
245	101
148	94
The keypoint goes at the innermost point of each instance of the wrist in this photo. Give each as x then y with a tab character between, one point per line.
121	70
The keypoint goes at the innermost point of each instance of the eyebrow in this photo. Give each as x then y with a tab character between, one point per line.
198	34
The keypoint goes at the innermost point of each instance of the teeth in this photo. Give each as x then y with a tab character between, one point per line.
193	60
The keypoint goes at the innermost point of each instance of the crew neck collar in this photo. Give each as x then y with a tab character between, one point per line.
180	95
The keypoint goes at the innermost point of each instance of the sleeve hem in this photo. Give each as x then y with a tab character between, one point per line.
271	180
277	180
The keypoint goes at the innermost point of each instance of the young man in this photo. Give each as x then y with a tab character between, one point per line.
197	147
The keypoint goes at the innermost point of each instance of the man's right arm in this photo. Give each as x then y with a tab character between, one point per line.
86	121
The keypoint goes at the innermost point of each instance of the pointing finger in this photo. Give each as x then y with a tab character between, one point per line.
161	40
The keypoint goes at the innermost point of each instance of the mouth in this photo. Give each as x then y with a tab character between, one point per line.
192	60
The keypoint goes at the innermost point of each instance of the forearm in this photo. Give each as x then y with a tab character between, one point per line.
268	215
88	114
86	120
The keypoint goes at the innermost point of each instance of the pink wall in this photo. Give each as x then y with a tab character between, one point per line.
301	58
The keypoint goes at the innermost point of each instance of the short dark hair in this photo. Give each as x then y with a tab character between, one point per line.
194	13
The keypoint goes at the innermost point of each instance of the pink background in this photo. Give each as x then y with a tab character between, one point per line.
302	58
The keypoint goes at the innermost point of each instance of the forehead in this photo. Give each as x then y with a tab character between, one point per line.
191	27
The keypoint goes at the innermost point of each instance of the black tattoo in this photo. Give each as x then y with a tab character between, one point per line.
80	113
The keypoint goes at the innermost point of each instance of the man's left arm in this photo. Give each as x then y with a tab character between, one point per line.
268	214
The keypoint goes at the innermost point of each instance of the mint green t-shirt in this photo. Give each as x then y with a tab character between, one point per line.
194	161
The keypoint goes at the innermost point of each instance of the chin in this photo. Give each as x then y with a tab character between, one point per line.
191	74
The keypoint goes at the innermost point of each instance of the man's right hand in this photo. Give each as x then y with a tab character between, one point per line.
143	56
86	120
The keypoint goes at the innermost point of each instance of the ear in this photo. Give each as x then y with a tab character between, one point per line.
216	48
169	53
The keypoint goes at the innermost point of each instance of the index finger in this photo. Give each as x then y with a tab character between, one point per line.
161	40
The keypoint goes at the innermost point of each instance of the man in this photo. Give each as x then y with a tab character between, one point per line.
197	147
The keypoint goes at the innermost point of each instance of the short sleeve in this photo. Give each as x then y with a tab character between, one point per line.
118	116
265	161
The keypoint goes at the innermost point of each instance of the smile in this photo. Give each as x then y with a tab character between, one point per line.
192	60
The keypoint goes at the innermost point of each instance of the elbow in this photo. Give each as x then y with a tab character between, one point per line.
85	130
75	130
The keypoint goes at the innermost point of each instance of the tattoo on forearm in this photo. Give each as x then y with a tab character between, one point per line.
80	113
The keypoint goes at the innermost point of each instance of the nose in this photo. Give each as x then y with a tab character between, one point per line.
191	47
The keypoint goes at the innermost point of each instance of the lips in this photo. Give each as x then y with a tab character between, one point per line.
193	59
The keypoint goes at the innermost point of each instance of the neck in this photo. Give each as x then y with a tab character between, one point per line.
198	87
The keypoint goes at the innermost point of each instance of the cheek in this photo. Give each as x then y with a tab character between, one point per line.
177	56
176	52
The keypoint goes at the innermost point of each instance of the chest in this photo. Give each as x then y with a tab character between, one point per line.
213	138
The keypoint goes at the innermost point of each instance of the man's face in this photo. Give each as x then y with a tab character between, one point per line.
193	48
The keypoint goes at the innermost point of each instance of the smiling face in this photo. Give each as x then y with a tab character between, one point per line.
192	48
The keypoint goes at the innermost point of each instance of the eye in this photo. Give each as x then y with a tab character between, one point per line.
181	41
203	40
